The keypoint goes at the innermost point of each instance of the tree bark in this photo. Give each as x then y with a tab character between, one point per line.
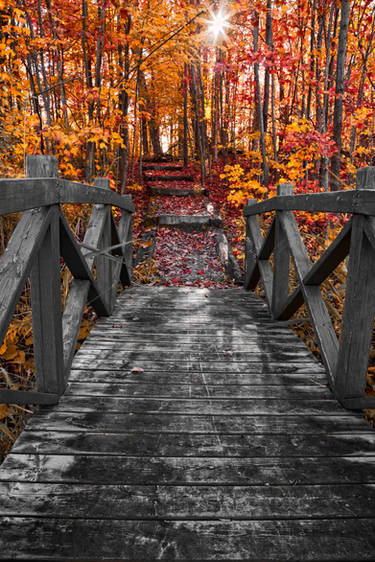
339	91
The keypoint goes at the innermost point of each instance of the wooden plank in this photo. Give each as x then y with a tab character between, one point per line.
183	447
177	471
17	260
348	539
334	202
280	260
46	311
226	358
256	268
217	349
162	423
265	365
207	406
124	235
93	232
217	378
73	192
195	338
186	502
27	397
72	317
202	390
18	194
104	271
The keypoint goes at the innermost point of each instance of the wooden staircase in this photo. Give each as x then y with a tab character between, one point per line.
193	427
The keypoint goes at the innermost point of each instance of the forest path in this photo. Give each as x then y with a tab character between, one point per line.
188	245
194	427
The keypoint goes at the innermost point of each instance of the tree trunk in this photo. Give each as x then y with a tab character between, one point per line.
339	91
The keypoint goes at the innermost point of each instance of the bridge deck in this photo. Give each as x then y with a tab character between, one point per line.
194	427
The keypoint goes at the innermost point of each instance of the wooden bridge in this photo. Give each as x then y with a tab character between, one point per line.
194	424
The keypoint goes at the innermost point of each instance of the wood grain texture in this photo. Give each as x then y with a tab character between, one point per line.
286	540
17	260
194	427
46	311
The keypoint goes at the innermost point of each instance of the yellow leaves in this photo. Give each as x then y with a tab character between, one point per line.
243	185
134	187
18	337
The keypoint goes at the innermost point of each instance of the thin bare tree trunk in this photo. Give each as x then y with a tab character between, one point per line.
339	91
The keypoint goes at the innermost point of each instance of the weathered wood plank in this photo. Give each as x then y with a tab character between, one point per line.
17	260
17	195
72	317
82	360
180	502
212	378
46	311
210	406
202	390
281	259
125	235
348	539
73	192
335	202
192	349
272	424
104	271
218	339
27	397
182	448
105	358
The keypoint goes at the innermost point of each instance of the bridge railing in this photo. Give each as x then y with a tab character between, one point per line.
41	237
346	360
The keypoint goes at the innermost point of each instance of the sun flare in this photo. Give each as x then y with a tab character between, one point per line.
218	24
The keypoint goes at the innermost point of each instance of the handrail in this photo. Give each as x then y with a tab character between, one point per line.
40	238
22	194
346	361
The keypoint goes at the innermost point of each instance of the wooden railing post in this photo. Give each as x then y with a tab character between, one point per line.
359	309
45	292
281	258
251	267
104	265
126	235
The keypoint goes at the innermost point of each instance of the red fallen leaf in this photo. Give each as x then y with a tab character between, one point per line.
201	272
137	370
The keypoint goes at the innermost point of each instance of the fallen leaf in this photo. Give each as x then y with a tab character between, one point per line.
137	370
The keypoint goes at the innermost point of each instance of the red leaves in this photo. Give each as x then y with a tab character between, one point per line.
180	205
